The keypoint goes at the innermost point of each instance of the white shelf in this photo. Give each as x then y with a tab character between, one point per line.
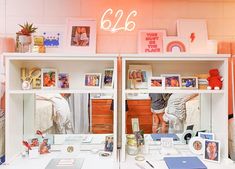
175	55
173	91
37	91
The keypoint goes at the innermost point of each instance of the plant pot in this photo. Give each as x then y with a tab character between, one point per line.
23	43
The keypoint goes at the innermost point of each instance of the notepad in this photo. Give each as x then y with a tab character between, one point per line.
184	163
65	163
157	137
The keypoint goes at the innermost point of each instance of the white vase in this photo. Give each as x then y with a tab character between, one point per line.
24	43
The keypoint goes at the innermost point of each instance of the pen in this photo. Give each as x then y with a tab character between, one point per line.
150	164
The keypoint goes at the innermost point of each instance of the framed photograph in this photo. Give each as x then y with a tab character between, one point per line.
138	76
196	145
49	79
139	135
156	83
174	44
108	78
63	80
45	146
135	124
195	31
189	82
34	142
172	81
93	80
151	41
208	136
108	143
53	36
81	35
212	150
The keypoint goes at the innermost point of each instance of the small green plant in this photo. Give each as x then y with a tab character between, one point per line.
27	29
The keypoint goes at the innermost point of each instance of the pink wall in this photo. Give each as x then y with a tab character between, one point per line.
152	14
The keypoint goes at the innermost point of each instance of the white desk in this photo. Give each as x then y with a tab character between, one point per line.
91	161
156	159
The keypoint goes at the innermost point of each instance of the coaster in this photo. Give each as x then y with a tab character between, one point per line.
139	158
104	154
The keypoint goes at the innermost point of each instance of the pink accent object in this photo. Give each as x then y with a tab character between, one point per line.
7	45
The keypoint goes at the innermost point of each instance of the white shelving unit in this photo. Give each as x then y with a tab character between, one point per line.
75	65
214	103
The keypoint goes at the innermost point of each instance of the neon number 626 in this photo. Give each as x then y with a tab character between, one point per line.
106	24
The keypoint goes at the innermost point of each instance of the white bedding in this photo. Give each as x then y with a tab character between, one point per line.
43	115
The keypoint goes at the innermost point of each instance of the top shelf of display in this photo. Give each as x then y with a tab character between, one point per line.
160	55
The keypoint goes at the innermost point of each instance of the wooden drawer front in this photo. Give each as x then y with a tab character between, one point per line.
147	129
139	102
102	129
139	110
102	101
102	119
142	119
101	109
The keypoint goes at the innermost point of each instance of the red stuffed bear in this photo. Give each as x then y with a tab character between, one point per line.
215	80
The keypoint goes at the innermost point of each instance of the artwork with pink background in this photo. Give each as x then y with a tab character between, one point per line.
151	41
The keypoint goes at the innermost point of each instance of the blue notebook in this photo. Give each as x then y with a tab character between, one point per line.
184	163
157	137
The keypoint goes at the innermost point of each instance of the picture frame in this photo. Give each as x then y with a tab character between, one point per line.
156	83
108	80
108	143
45	145
189	82
212	151
92	80
135	124
139	135
172	81
63	80
175	44
196	145
195	30
81	35
208	136
53	36
150	41
49	78
138	76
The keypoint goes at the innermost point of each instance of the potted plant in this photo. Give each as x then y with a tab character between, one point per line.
24	38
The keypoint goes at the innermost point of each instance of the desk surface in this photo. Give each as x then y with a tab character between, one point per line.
91	161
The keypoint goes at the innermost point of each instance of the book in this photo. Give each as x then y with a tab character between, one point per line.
157	137
184	163
65	163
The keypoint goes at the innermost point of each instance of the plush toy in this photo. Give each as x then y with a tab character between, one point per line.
214	80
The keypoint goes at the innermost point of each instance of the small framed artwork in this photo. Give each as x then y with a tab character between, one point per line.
156	82
45	146
138	76
174	44
172	80
151	41
108	143
189	82
81	35
196	145
139	135
34	142
195	31
212	150
63	80
135	124
108	78
93	80
48	78
53	36
208	136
